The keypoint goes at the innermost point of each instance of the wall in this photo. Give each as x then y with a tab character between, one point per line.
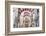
2	17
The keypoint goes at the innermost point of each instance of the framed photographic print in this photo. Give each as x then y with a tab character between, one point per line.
24	18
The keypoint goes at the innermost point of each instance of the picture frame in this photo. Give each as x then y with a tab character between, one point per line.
20	7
